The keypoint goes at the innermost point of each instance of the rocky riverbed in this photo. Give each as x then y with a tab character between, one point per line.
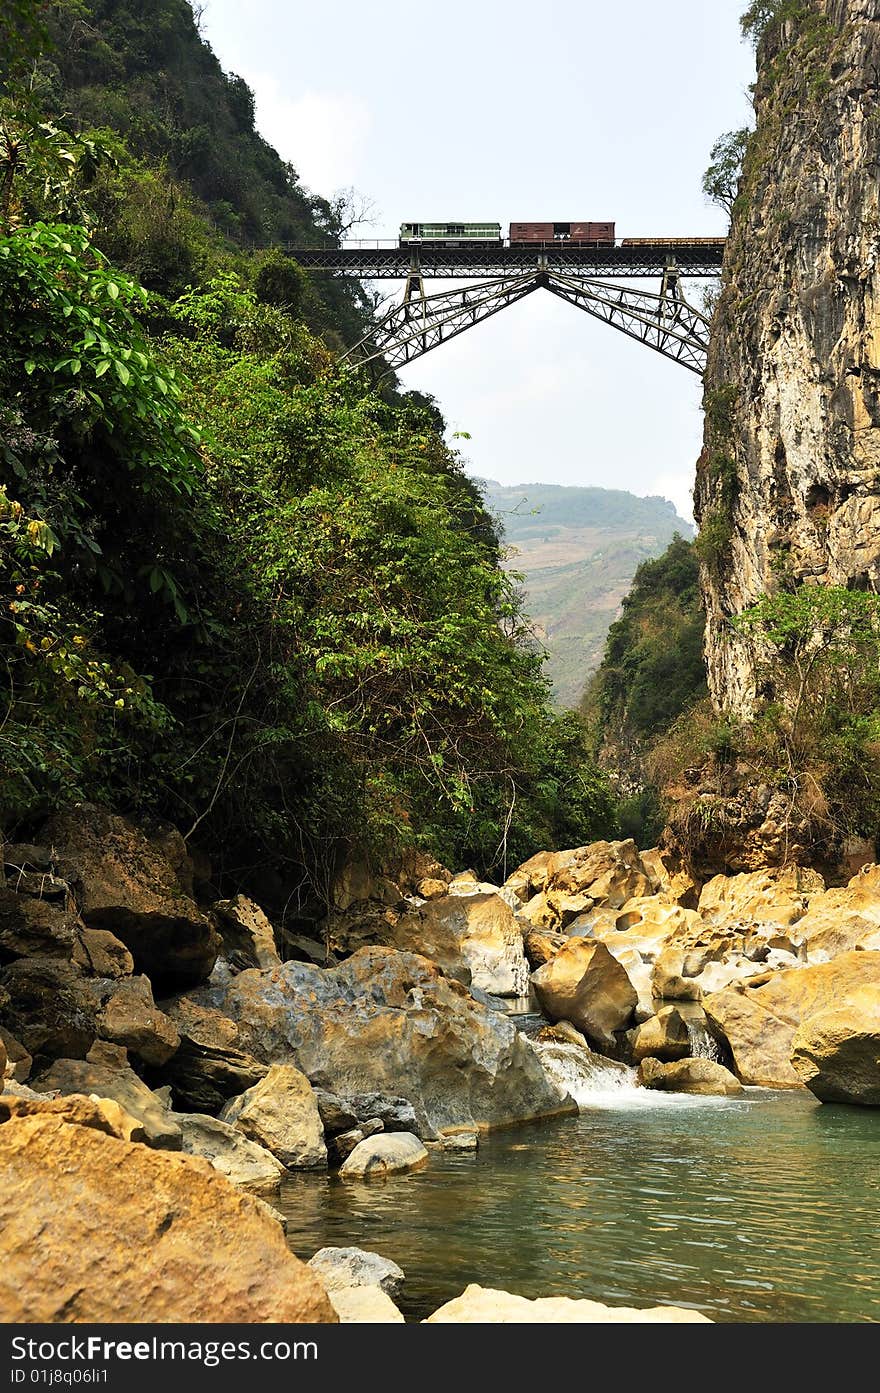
169	1058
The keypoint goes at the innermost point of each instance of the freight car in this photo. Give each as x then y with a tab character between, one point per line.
572	234
451	234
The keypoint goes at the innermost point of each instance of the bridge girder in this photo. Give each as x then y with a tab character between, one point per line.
663	320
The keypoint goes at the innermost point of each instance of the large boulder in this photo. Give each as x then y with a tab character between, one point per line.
385	1154
394	1114
281	1113
473	938
484	1306
585	985
760	1022
843	919
209	1067
242	1161
108	1076
248	937
104	1114
32	927
836	1053
689	1076
773	896
94	1229
664	1036
130	1017
608	872
125	884
390	1022
101	953
51	1007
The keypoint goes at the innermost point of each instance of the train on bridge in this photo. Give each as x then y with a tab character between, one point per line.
534	234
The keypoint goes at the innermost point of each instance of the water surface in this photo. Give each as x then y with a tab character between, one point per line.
765	1208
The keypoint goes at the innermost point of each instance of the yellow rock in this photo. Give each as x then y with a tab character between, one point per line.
485	1306
94	1229
770	896
836	1053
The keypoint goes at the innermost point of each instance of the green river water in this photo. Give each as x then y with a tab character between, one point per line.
765	1208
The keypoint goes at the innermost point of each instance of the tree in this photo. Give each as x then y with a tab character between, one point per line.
721	179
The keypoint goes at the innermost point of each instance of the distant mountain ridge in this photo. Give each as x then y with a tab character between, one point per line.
578	549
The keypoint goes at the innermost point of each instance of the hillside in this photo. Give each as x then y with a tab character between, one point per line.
579	549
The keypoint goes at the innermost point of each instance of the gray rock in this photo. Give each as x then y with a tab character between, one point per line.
393	1114
389	1022
355	1267
336	1116
385	1154
242	1161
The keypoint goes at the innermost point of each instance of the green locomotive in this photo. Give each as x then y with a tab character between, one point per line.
451	234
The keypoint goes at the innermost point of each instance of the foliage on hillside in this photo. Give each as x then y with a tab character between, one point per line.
651	673
240	589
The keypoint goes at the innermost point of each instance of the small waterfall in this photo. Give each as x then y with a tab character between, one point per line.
702	1045
588	1078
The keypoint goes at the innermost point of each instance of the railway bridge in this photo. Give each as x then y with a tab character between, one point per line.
599	280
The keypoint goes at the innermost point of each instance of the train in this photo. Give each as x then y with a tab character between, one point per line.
531	234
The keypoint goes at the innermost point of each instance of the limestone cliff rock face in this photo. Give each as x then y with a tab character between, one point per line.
790	471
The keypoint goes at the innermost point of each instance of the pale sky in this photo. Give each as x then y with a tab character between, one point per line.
478	110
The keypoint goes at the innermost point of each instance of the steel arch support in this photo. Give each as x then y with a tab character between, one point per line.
423	322
663	321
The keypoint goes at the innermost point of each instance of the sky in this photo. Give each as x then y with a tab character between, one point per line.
497	110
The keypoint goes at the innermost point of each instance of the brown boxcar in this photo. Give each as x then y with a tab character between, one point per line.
571	233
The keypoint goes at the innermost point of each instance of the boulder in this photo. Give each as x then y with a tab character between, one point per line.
689	1076
473	938
355	1267
385	1154
836	1053
340	1146
609	872
208	1068
538	914
759	1022
484	1306
364	1306
108	1077
94	1229
336	1117
34	928
672	881
540	946
773	896
585	985
393	1114
429	889
104	1114
531	877
458	1139
231	1153
248	937
664	1036
101	953
281	1113
17	1061
390	1022
127	885
843	920
51	1008
130	1017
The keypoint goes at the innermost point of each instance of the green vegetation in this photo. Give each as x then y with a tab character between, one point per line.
722	176
240	589
651	673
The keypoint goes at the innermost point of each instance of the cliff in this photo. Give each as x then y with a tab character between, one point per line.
788	483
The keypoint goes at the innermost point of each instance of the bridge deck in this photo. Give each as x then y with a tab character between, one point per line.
394	263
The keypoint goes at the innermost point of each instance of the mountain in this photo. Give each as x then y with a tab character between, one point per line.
578	549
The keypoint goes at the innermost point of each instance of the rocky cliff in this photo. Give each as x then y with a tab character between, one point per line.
788	483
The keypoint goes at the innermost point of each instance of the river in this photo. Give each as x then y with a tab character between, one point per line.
760	1208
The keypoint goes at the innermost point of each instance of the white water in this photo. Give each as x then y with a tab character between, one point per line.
702	1045
595	1082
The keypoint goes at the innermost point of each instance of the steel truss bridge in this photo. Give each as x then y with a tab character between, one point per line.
590	278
